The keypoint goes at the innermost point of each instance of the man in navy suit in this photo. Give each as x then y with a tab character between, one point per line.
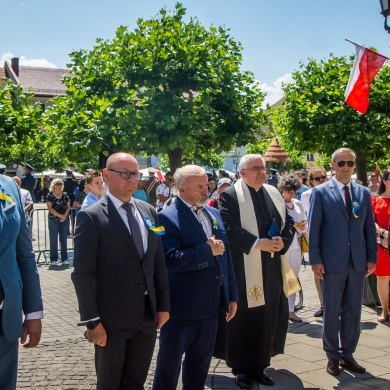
201	279
342	251
20	290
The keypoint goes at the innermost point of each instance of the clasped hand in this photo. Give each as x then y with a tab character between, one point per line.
217	246
274	244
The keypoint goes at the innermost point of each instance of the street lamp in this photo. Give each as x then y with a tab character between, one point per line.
385	4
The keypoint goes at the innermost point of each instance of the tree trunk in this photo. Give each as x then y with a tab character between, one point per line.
175	157
103	158
361	167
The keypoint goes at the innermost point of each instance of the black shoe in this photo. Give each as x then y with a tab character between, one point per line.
352	365
263	378
333	367
319	312
243	381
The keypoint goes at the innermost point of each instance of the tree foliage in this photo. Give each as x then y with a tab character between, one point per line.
20	125
169	86
315	117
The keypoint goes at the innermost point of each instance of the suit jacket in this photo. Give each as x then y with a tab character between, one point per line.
334	237
195	275
109	275
18	270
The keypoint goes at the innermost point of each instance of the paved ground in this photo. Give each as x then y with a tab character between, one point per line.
64	359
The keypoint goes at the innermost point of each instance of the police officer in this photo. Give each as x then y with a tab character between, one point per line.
70	185
29	181
2	169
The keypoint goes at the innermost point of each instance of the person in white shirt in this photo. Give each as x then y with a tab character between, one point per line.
317	176
164	190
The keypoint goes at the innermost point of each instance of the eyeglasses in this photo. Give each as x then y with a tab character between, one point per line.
126	175
255	169
349	163
319	178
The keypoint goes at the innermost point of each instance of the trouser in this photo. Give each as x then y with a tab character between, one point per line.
8	360
123	364
196	339
58	229
342	294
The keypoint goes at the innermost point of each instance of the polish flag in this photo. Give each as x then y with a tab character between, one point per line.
367	64
160	176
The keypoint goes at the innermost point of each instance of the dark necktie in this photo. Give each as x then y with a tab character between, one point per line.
348	201
134	228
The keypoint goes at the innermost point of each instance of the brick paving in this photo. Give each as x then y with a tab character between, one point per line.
64	359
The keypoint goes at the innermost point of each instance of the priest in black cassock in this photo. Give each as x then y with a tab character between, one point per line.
249	209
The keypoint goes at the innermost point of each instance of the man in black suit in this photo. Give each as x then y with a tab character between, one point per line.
29	181
120	278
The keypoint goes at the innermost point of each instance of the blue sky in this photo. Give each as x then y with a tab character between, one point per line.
276	34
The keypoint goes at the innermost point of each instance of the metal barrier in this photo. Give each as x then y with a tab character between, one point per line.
39	228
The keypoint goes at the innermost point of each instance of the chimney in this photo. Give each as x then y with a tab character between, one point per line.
15	65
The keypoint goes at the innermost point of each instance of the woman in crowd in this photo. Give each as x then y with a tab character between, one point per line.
288	187
317	176
212	188
58	204
381	209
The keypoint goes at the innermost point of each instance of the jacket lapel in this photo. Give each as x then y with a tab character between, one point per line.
189	215
337	194
113	215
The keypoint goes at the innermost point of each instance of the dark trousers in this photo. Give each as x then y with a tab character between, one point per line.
342	299
196	339
58	229
8	361
124	362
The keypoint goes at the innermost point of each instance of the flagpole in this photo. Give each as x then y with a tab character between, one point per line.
366	48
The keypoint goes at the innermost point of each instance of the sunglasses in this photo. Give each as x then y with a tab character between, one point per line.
319	178
349	163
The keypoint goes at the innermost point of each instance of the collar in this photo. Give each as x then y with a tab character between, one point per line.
117	202
340	185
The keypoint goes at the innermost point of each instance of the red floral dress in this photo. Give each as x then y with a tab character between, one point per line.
381	209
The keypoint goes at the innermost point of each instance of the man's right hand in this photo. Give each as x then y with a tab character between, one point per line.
217	246
318	270
97	336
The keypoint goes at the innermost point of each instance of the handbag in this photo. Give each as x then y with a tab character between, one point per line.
304	244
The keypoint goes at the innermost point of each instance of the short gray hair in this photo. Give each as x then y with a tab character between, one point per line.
248	158
343	150
188	170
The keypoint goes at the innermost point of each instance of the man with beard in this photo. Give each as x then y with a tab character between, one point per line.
259	231
201	280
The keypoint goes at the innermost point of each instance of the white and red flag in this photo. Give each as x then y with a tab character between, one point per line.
367	64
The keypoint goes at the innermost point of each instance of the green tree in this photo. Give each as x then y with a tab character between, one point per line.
315	117
169	86
20	125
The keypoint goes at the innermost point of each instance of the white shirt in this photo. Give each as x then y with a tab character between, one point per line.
340	187
305	200
164	190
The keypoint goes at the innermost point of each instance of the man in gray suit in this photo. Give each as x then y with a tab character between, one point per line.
342	251
20	291
120	278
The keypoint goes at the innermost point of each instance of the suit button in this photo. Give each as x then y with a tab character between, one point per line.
349	243
217	277
141	286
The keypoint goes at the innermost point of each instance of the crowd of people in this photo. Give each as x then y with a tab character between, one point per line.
203	259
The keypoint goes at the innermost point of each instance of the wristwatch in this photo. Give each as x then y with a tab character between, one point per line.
91	325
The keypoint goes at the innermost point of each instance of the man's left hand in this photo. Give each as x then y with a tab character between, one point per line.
161	318
370	268
232	311
32	329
